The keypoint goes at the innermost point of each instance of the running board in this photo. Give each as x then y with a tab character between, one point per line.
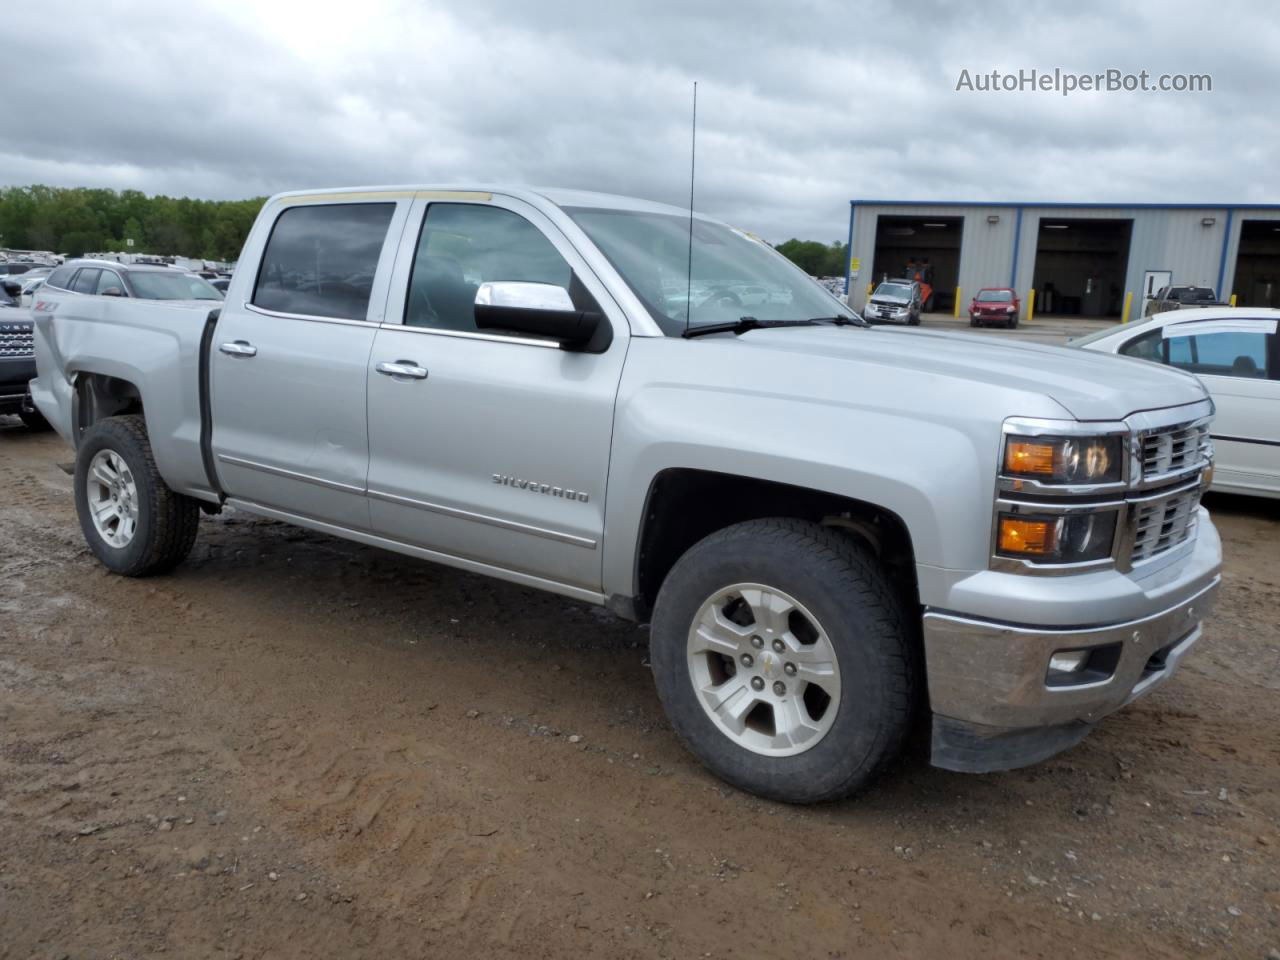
422	553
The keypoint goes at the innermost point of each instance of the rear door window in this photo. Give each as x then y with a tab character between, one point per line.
110	280
320	260
86	280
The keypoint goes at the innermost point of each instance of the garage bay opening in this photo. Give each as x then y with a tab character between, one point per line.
1080	266
924	248
1257	279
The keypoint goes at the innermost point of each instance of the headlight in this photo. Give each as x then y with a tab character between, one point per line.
1074	538
1010	310
1065	460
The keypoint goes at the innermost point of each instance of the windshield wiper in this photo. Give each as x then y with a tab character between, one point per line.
839	321
744	324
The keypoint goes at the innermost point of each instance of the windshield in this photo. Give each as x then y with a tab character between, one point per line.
733	274
149	285
995	296
897	291
1099	334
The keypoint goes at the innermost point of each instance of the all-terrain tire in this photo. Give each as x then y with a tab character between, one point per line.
166	521
844	586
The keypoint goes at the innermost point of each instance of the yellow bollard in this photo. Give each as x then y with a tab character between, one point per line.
1031	304
1233	299
956	313
1128	304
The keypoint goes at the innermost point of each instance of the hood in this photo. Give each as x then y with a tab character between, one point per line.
889	301
1091	386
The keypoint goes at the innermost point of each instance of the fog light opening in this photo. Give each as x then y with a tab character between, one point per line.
1074	668
1068	661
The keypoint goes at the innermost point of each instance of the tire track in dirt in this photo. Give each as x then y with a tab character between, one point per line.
391	741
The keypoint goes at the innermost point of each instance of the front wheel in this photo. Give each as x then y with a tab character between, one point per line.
131	520
784	660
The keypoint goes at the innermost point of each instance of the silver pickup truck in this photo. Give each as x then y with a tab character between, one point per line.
835	532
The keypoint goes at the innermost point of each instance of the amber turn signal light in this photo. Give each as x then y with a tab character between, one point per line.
1028	457
1034	537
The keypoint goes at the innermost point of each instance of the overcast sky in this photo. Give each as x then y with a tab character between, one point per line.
802	106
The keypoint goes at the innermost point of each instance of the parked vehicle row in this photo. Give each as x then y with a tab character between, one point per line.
830	527
143	281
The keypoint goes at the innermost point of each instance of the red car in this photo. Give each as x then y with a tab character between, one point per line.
994	305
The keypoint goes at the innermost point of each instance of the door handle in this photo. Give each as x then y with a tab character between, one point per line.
239	348
402	370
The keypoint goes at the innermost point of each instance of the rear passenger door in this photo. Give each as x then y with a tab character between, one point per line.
290	355
494	453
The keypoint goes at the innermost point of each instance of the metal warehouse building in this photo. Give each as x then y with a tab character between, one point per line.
1082	259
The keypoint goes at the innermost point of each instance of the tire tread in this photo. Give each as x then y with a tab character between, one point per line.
852	561
175	517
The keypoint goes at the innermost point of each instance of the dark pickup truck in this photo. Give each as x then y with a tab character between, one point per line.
1175	298
17	358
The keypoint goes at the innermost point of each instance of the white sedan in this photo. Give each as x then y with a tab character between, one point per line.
30	286
1236	354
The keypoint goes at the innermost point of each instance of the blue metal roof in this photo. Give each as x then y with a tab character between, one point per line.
1059	205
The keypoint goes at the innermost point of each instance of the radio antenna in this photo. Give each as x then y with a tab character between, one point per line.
693	156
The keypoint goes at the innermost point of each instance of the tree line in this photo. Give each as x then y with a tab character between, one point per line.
814	258
79	220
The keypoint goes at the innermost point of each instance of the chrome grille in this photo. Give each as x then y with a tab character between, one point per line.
1162	525
1174	451
16	340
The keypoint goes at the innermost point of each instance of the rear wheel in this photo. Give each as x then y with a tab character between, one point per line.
131	520
784	660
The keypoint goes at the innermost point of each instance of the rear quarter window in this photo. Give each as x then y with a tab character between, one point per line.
320	260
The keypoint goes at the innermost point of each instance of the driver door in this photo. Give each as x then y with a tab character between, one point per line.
489	449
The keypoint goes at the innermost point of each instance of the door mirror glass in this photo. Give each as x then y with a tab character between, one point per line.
539	309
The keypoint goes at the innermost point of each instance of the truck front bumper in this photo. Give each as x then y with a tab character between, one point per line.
998	705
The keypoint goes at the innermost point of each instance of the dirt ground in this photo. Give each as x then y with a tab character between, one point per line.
299	747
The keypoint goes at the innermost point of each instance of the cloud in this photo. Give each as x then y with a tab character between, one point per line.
802	106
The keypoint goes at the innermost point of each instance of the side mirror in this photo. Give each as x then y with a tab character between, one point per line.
541	309
113	292
13	289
